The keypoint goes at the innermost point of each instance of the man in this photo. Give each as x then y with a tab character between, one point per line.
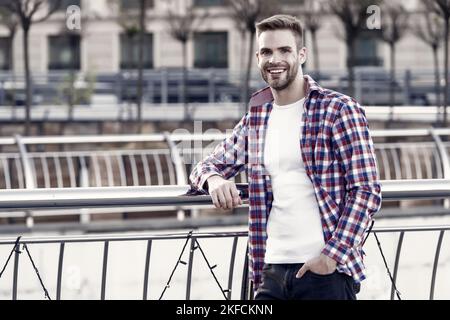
313	182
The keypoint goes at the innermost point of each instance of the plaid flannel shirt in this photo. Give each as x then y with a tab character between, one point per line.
339	159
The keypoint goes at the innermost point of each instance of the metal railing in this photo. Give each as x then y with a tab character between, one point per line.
218	111
211	86
107	240
167	159
175	195
170	161
402	232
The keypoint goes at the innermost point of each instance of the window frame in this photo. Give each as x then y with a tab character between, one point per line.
205	63
129	65
55	66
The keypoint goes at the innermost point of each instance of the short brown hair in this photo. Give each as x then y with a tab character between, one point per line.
282	22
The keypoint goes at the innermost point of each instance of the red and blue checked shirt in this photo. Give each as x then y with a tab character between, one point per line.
339	159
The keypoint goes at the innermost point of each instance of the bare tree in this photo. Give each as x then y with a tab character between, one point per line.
247	13
442	8
11	22
132	22
352	14
69	90
183	21
142	14
395	24
431	31
312	18
29	12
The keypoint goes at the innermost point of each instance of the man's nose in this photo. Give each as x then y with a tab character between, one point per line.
275	58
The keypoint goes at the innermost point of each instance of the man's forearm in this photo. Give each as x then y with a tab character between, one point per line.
353	222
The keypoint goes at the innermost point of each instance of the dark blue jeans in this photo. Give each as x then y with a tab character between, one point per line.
279	283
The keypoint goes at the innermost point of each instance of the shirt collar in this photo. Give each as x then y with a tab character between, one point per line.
311	86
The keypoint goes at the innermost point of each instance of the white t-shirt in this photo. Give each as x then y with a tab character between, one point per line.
294	227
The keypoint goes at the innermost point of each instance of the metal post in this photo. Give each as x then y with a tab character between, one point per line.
190	264
407	88
245	280
147	267
179	168
397	259
151	90
85	217
435	265
211	87
164	87
230	274
29	176
60	269
16	271
105	269
30	182
445	160
358	85
118	87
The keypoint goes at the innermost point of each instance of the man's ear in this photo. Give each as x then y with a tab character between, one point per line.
257	56
302	55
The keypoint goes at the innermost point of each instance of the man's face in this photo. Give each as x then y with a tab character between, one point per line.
278	58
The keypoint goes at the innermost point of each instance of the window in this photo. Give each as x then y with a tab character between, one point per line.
5	53
366	49
292	2
64	52
211	50
208	3
134	4
64	4
129	51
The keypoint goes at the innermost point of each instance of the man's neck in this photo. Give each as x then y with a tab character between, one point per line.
291	94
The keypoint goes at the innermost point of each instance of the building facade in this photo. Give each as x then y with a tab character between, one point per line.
105	44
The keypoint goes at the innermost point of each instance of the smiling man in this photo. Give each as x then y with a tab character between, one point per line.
311	167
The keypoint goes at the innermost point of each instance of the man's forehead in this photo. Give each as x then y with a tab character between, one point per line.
276	39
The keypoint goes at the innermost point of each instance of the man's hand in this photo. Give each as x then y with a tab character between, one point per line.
321	265
224	193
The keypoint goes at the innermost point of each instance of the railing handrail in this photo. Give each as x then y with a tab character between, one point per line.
160	137
392	190
181	235
120	237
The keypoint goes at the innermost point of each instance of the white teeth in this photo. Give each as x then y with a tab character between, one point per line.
276	71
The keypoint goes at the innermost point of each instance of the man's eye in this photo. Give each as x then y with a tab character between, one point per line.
264	53
284	50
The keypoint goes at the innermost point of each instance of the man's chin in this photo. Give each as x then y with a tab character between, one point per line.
278	86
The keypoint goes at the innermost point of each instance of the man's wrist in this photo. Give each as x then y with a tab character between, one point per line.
210	178
331	263
214	177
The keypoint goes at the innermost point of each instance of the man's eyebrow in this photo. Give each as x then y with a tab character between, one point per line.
284	47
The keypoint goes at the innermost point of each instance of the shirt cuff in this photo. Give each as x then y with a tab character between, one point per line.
337	251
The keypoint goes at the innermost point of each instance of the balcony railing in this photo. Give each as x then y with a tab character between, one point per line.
166	159
215	85
176	195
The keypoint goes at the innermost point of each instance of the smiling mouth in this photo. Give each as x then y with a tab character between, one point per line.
276	70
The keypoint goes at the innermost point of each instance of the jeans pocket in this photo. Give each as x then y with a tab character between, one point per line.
321	275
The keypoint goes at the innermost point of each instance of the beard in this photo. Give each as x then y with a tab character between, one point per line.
284	79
